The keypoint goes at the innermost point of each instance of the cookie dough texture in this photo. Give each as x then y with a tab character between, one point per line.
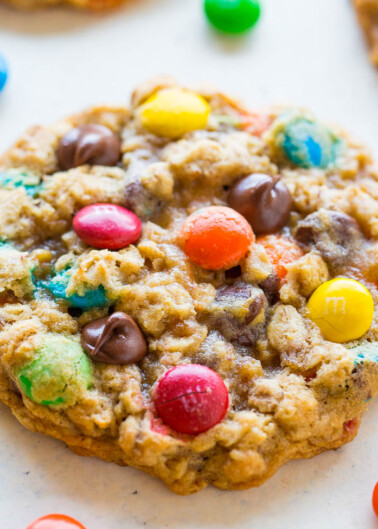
367	12
292	394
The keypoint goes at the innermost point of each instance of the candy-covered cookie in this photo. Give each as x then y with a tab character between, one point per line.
189	287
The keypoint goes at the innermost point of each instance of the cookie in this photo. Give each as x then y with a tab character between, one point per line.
94	5
189	287
367	12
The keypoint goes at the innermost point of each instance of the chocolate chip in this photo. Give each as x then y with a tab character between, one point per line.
227	313
75	312
115	339
233	273
89	144
271	286
140	201
335	235
238	290
265	201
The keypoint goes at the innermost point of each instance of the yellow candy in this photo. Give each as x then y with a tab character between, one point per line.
342	308
173	112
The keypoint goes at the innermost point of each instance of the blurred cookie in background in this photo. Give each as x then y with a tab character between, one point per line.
367	12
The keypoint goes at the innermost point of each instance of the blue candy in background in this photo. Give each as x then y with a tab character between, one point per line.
58	285
309	144
30	182
3	72
366	353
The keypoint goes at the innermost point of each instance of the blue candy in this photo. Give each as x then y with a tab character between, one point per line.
3	72
29	181
309	144
58	285
366	353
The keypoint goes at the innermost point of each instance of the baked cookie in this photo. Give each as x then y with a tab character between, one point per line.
188	287
94	5
367	12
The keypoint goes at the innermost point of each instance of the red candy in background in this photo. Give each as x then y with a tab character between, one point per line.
191	398
107	226
375	499
55	521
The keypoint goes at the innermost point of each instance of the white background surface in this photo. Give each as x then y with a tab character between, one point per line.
307	52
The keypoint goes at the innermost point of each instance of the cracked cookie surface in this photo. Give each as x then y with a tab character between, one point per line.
292	393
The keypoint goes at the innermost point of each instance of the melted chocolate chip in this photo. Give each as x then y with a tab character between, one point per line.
237	290
335	235
233	273
224	318
265	201
115	339
271	287
89	144
140	201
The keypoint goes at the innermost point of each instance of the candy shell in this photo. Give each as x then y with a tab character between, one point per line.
58	284
55	521
107	226
59	374
3	72
191	398
232	16
342	308
29	181
216	237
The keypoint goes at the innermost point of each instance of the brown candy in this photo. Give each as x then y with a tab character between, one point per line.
115	339
265	201
89	144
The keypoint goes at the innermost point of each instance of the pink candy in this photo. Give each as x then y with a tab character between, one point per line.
107	226
191	398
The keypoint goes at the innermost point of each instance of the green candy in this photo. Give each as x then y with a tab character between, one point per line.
232	16
59	374
29	181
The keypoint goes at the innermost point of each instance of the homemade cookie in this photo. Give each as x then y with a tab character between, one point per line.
95	5
367	12
189	287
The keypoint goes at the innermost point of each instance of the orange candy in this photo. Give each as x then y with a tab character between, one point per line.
280	252
216	237
255	124
55	521
375	499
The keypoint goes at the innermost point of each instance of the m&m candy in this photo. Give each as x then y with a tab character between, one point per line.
307	143
191	398
216	237
59	374
107	226
280	252
21	179
173	112
55	521
232	16
342	308
92	297
375	499
3	72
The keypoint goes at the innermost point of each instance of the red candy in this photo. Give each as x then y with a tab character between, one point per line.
55	521
107	226
191	398
375	499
